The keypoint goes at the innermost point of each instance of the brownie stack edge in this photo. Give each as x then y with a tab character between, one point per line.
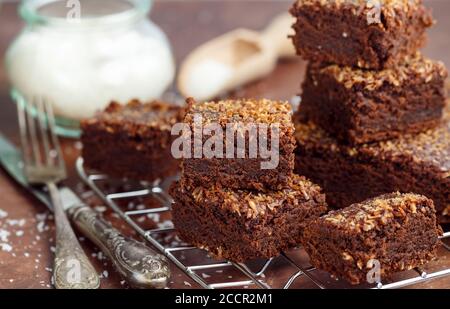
373	116
230	206
366	80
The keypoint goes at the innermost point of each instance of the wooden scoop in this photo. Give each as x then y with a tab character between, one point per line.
234	59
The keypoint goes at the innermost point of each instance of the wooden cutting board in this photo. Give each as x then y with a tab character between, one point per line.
187	24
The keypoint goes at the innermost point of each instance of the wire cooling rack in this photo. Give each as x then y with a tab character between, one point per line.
289	270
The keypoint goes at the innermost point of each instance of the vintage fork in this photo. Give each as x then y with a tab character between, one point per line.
44	165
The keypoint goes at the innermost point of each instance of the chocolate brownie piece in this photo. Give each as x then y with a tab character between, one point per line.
359	33
399	231
417	163
132	141
235	165
359	106
240	224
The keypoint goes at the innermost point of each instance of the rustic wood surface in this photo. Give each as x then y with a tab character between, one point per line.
187	23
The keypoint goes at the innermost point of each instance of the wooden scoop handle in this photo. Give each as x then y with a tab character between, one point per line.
276	34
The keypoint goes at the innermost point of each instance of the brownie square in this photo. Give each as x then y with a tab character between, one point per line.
359	106
240	224
132	141
359	33
397	230
417	163
242	171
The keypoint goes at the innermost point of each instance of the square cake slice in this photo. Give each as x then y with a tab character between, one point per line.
394	231
359	33
239	224
417	163
132	141
240	163
359	106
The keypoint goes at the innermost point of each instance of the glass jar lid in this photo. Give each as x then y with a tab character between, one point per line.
83	12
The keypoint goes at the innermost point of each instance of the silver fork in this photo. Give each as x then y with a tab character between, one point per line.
44	165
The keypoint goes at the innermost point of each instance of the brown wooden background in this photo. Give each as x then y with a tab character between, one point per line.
187	24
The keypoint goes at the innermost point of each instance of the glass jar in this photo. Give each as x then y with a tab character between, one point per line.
82	54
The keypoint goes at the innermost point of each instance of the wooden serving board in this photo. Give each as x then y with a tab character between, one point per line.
187	24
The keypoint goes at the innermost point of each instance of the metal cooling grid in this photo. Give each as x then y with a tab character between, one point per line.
250	275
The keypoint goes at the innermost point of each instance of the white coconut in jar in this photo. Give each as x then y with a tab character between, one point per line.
111	52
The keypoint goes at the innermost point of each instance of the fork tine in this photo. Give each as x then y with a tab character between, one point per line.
42	117
27	158
34	138
52	130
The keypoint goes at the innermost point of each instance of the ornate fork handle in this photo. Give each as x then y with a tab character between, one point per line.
72	269
141	266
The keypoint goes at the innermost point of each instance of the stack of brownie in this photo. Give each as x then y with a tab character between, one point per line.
373	116
228	204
